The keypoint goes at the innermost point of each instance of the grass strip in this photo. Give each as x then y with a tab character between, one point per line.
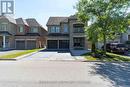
17	54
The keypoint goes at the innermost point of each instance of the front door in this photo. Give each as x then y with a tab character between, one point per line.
79	42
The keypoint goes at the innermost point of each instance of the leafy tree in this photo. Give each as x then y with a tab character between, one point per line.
91	32
110	18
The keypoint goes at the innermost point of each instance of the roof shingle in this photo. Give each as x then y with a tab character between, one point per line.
33	22
10	19
56	20
21	21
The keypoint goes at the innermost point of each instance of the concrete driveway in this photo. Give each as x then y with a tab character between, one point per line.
50	55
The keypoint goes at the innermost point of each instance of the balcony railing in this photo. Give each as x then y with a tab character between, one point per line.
78	30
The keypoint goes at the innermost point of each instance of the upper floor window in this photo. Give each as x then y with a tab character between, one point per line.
66	30
34	30
3	27
57	29
78	28
54	29
21	29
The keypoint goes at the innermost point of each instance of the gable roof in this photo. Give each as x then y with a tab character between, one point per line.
25	22
56	20
73	17
21	21
33	22
10	19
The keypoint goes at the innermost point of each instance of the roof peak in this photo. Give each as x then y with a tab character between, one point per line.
9	18
58	17
56	20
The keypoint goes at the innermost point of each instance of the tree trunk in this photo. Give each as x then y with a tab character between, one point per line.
104	38
94	40
93	48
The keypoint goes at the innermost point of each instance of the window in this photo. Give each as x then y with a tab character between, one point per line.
66	28
55	29
79	42
3	27
52	29
34	30
21	29
128	37
78	28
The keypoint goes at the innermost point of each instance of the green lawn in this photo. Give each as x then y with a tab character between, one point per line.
110	58
17	54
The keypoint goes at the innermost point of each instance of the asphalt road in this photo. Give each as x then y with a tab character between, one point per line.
63	74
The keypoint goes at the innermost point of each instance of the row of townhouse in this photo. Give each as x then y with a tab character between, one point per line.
21	33
63	33
69	33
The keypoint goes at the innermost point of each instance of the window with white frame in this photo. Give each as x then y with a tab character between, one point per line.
34	30
57	29
54	29
21	29
78	28
66	30
3	27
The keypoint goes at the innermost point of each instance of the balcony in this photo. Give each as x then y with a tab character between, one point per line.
78	30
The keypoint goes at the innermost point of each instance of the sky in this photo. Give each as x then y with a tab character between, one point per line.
43	9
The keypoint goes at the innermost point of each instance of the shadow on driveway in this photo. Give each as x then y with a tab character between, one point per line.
118	73
58	51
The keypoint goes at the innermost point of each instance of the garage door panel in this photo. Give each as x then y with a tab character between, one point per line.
52	44
31	44
64	44
20	45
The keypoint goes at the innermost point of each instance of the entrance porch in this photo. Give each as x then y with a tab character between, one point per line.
79	43
4	42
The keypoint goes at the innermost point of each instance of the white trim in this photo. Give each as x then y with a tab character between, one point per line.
32	39
4	43
19	39
58	44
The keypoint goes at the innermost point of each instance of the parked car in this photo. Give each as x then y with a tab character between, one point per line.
116	47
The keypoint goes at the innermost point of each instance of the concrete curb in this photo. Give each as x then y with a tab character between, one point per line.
23	56
106	61
7	59
84	60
